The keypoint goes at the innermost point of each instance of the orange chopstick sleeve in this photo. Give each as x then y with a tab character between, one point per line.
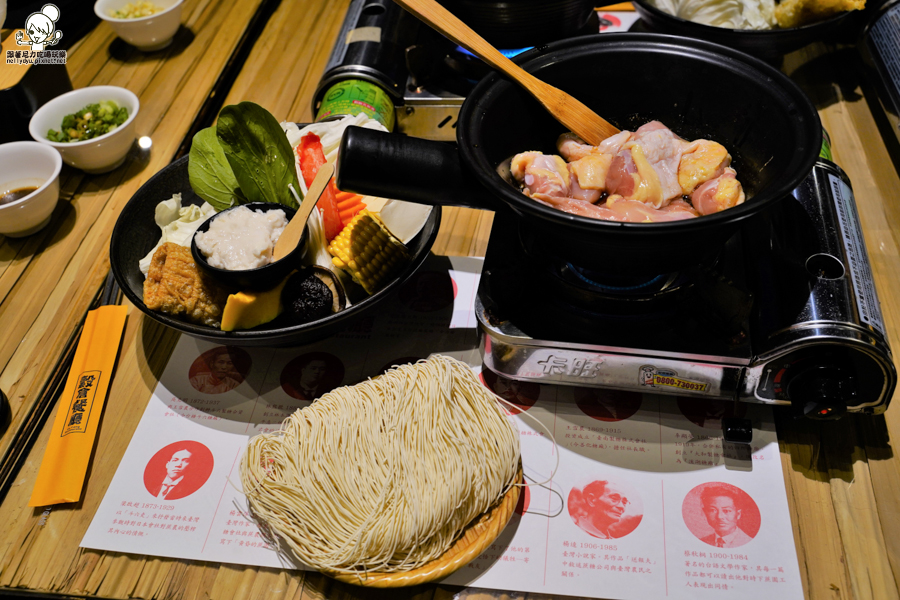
68	452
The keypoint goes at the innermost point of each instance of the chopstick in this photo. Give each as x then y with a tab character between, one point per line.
111	293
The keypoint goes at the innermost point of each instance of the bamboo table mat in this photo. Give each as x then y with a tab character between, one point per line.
48	280
842	478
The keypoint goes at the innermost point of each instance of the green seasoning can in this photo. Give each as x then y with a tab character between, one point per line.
825	151
354	96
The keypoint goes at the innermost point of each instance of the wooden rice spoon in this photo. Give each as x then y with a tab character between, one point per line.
584	122
291	235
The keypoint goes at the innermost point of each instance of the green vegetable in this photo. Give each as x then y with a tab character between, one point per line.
91	121
259	153
210	174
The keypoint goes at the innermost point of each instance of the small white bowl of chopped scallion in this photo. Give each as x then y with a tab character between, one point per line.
90	122
146	24
92	127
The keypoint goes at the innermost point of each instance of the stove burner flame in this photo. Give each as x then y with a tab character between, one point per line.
506	53
582	274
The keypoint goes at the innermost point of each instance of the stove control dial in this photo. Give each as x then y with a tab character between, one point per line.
820	391
823	381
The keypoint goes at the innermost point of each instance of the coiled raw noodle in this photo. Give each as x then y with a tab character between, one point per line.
384	475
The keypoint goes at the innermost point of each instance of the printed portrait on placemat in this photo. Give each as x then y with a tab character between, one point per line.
606	508
311	375
523	394
721	515
178	470
607	405
219	370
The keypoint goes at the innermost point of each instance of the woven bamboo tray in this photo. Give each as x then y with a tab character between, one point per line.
474	540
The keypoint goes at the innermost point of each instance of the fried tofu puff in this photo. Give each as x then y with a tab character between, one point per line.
175	286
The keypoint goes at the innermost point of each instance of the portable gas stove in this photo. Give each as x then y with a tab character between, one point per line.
786	315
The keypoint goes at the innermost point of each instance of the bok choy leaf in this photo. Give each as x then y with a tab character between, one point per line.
210	174
259	153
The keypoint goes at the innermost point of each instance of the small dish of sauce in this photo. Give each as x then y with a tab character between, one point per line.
16	194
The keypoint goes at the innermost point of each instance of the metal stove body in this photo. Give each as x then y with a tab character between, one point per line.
788	315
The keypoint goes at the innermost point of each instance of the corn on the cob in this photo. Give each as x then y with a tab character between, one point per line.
368	251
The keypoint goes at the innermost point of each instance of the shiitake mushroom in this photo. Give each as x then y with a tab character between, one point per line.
311	294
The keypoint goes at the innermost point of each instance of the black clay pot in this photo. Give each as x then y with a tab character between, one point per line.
699	89
770	45
522	23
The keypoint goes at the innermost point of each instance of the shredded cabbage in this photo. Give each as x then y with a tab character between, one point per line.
177	223
330	133
731	14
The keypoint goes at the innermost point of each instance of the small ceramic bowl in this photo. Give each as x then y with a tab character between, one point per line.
100	154
28	164
260	278
145	33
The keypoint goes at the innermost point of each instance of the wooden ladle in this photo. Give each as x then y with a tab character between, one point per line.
291	235
587	124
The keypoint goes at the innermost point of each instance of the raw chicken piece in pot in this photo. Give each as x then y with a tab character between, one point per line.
644	176
541	173
573	147
547	176
702	160
663	150
718	194
591	170
576	190
633	177
617	208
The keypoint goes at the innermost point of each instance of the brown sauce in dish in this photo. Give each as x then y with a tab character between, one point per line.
13	195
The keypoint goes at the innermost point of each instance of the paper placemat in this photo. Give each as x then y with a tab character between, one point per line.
646	502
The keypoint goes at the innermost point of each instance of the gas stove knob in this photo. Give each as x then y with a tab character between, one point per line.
737	430
821	391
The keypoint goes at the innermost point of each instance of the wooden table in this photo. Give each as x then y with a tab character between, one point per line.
842	479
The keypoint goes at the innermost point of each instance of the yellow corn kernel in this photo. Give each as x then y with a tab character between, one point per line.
368	251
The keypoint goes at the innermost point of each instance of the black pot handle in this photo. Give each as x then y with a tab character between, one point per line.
388	165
